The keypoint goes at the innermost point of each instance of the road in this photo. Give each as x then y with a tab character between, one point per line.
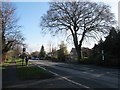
85	76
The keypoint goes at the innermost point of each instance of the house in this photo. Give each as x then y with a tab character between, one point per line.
85	52
73	54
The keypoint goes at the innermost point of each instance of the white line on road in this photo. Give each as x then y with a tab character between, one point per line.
71	81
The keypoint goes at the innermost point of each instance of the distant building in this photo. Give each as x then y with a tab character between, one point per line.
85	52
73	54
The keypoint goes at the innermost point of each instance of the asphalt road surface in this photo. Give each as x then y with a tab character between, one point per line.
84	76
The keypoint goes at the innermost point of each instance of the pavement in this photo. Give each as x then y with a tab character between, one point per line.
9	75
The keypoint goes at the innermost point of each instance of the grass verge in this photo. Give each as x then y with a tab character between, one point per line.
29	72
3	65
32	72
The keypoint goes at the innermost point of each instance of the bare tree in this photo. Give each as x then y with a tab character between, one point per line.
79	20
62	51
11	35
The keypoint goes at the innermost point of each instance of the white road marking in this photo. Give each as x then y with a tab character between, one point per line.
71	81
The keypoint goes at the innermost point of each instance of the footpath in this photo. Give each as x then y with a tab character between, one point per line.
9	76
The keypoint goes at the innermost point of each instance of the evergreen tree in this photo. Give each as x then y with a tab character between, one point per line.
117	46
42	53
110	42
111	47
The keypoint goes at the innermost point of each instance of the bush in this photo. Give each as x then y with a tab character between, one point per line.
109	60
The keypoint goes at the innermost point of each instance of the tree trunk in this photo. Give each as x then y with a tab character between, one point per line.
77	47
78	53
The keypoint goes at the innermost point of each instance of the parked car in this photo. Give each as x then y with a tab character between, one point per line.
34	58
